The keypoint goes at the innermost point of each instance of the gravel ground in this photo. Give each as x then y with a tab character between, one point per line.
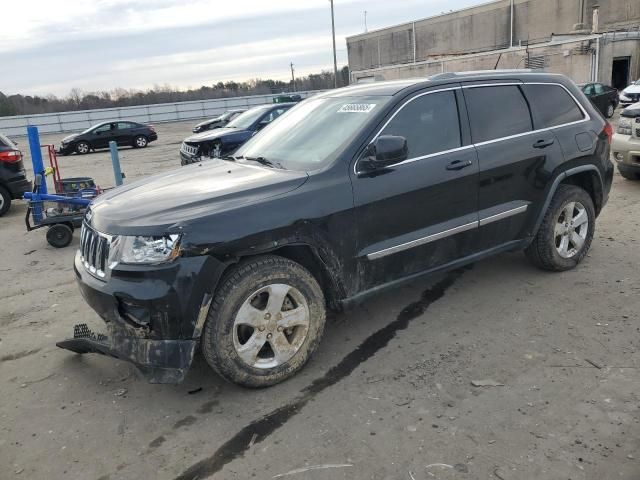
389	394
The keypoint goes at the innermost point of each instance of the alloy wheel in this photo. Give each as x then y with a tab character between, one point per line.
570	232
141	142
271	326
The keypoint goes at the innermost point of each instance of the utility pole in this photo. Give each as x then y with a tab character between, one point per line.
365	22
335	60
293	78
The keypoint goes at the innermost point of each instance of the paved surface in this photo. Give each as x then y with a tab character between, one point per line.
389	394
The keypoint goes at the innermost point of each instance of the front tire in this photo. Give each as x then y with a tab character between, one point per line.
5	200
140	141
566	232
82	148
264	323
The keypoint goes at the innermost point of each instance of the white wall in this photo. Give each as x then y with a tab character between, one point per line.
163	112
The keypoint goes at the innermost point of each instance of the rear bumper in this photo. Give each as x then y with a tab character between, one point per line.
17	188
153	137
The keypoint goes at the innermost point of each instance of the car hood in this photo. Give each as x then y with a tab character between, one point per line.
218	133
632	89
172	201
68	138
208	122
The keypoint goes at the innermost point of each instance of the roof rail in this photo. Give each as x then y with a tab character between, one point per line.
447	75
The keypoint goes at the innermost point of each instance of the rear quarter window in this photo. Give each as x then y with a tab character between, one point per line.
552	105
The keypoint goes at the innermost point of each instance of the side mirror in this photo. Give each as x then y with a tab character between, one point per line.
387	150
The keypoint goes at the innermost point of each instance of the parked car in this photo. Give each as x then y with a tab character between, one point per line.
131	134
631	94
626	143
353	191
13	177
217	122
223	141
605	98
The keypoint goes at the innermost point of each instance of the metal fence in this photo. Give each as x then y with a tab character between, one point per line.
158	113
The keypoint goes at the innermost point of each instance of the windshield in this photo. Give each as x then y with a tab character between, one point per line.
637	82
247	119
312	132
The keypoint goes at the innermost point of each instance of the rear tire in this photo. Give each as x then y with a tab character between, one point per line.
566	232
264	323
5	200
59	235
140	141
611	109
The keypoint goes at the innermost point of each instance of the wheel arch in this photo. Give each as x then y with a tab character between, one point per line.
323	265
587	177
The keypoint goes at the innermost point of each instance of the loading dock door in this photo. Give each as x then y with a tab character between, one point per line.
620	72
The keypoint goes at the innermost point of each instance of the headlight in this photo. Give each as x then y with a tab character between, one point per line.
148	250
624	127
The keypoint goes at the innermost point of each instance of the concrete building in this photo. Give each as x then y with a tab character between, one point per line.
588	40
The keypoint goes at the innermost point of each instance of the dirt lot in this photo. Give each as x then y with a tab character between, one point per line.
388	396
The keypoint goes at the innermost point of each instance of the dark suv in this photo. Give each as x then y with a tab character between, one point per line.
224	141
13	178
352	191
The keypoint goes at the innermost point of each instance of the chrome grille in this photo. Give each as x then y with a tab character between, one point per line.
189	149
94	251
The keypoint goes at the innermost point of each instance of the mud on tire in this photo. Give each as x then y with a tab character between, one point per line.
544	252
221	335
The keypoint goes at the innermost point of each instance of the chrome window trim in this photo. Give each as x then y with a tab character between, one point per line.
586	118
422	157
502	215
422	241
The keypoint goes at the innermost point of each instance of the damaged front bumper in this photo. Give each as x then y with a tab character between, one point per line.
160	361
154	314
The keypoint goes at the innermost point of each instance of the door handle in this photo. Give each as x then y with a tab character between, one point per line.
459	164
543	143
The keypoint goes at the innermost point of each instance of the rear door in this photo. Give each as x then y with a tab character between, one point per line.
125	132
421	213
514	161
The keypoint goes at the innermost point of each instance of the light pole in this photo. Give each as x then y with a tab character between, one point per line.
335	60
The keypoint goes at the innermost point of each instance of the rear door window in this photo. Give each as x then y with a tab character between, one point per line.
497	112
552	105
430	124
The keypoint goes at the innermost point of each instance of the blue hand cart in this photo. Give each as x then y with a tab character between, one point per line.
60	213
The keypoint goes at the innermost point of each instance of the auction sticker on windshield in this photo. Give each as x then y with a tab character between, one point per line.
357	108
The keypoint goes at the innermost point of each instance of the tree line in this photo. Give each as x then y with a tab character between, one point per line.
78	99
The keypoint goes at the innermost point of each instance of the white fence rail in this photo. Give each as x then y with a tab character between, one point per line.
158	113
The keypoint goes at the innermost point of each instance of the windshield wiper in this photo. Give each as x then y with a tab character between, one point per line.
230	158
265	161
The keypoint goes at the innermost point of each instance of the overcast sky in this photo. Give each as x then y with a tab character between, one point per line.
52	46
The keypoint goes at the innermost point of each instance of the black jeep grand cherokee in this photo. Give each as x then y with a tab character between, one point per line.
351	191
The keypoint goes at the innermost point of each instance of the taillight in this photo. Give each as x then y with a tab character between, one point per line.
12	156
152	128
608	131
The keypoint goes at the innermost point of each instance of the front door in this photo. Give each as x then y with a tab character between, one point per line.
421	213
103	134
